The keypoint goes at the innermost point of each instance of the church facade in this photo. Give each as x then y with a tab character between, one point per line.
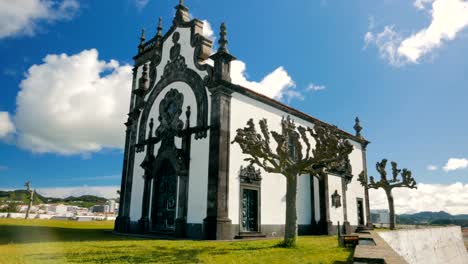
182	176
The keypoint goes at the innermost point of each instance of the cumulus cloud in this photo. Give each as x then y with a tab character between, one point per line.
432	168
6	125
73	104
451	198
448	18
456	164
208	30
63	192
22	17
140	4
276	85
315	88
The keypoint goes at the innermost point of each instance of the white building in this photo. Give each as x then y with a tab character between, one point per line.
380	217
181	174
57	209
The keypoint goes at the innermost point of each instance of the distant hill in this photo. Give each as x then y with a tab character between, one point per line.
433	218
21	196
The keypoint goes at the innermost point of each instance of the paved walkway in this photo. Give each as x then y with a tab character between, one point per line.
380	253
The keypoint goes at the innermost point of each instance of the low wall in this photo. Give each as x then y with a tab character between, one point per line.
428	246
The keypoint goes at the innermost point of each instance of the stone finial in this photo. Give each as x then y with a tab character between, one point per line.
222	59
223	40
357	127
160	28
182	14
142	40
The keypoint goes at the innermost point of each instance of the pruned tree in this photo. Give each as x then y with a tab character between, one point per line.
30	198
291	160
387	185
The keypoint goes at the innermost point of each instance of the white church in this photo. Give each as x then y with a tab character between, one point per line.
182	177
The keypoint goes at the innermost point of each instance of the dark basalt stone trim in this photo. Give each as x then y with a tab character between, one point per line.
366	190
196	83
122	223
345	207
217	224
312	201
278	105
324	223
201	44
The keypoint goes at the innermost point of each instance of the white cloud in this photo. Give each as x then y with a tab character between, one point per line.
387	42
451	198
448	18
6	125
208	30
456	164
274	85
140	4
432	168
315	88
421	4
73	104
63	192
21	17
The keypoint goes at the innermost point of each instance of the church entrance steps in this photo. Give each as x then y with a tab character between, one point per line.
250	235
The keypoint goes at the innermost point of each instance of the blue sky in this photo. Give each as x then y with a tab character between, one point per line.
399	65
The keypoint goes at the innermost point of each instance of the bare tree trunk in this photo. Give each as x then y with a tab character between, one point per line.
391	207
290	232
31	198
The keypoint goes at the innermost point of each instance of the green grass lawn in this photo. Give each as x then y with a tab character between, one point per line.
50	241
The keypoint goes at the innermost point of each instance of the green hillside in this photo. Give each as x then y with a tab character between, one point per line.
21	196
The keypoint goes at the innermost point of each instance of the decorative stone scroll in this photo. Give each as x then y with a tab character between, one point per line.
250	175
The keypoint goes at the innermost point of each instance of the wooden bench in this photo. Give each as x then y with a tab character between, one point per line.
350	240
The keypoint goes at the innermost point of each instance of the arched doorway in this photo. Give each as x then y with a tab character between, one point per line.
163	212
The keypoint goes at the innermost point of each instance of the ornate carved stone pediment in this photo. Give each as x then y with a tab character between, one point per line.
250	175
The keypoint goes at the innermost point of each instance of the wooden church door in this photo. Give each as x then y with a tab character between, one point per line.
249	210
165	199
360	211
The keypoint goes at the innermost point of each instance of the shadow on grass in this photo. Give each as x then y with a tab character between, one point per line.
29	234
159	255
349	260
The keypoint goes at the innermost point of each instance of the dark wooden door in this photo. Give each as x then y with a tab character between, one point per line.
165	199
249	210
360	209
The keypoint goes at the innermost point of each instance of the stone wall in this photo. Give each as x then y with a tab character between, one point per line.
428	246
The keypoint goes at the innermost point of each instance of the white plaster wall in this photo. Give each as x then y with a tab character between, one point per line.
428	246
273	200
137	187
198	181
316	199
304	203
355	189
336	214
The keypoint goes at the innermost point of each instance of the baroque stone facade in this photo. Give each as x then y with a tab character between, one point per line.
181	175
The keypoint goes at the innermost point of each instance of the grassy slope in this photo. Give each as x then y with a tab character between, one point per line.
48	241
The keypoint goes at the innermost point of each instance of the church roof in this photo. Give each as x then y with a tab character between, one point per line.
288	109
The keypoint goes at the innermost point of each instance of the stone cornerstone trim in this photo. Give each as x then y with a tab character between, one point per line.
217	224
